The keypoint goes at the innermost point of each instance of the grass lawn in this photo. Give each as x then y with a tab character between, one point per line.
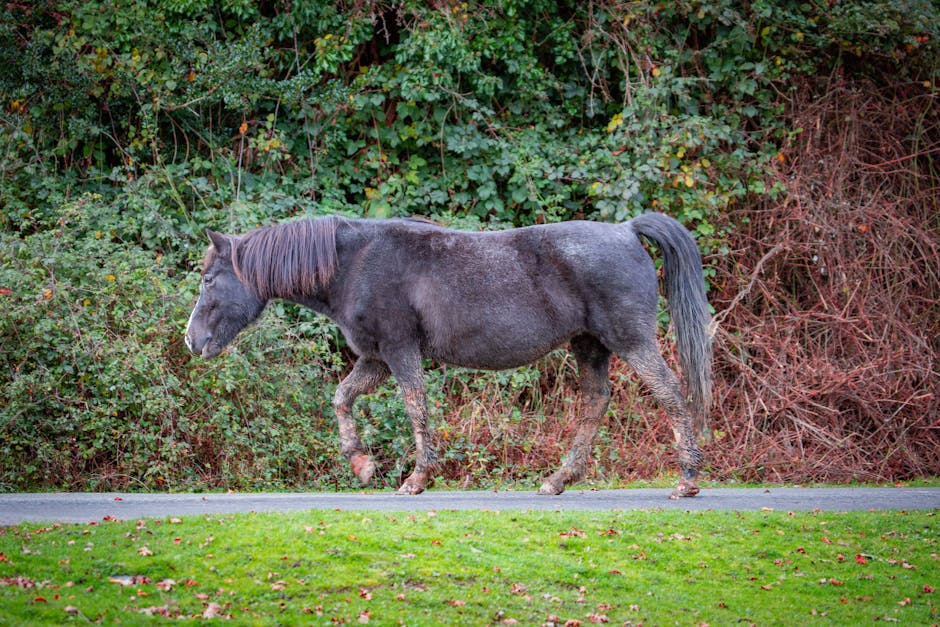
477	568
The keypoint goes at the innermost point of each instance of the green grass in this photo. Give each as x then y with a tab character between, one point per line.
478	567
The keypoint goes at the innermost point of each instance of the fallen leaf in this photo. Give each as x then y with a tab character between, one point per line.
364	616
70	609
928	589
212	610
456	603
155	610
859	558
129	580
144	551
365	594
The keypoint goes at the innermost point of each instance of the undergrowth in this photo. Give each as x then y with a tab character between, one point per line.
829	329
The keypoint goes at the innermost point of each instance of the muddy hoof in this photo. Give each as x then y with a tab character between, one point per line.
416	483
363	467
684	491
551	489
410	489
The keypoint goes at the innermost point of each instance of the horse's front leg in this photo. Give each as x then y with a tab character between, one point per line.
425	456
410	378
365	376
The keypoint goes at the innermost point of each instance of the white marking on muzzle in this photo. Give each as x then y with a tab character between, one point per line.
187	337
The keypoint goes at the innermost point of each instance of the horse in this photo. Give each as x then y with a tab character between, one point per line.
405	290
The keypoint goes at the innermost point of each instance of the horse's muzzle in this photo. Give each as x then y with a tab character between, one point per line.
195	346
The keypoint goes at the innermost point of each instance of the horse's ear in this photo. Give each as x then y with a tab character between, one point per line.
219	241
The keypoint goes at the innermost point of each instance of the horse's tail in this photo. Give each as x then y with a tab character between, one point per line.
685	291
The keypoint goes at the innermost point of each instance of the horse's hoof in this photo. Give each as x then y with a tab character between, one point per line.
550	489
410	489
363	467
684	491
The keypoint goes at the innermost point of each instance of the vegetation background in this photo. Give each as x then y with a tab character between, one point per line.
799	141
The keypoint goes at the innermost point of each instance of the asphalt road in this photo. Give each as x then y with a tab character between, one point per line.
84	507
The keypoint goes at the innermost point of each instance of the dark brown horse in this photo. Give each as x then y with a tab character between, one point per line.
404	290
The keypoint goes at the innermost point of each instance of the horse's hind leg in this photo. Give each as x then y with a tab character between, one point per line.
593	362
652	369
365	376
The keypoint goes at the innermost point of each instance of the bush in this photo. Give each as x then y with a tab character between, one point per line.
102	394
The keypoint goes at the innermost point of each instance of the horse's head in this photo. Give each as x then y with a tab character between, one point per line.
225	305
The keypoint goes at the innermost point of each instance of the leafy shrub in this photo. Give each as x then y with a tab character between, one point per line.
101	392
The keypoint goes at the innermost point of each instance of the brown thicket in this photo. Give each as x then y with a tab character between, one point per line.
828	342
828	305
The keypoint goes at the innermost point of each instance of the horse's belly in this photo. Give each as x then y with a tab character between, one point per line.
496	344
499	316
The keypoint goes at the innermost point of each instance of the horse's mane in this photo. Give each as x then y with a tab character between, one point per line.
288	259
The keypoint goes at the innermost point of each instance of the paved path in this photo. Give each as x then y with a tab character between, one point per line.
83	507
